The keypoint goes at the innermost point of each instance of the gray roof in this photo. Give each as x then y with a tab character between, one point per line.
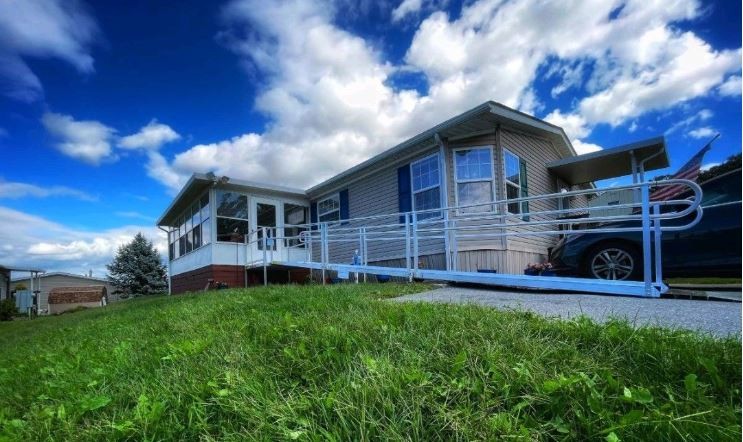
70	275
199	182
476	120
612	162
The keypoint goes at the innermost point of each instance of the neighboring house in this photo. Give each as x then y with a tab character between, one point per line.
598	206
490	153
48	281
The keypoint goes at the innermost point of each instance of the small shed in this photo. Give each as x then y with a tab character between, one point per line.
67	298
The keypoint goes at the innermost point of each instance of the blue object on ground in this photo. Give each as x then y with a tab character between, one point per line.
487	271
383	278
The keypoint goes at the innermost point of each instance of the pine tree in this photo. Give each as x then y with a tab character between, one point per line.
137	268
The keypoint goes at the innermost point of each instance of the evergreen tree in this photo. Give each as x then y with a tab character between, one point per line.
137	268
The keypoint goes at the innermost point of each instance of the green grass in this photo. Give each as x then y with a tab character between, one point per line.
702	281
339	363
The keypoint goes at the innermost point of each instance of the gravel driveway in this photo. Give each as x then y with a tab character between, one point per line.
715	317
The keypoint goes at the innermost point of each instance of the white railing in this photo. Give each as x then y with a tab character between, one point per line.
452	225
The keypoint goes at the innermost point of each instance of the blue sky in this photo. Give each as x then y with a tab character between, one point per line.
107	107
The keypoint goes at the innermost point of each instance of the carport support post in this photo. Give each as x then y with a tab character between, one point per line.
646	251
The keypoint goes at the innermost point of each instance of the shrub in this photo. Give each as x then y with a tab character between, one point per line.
7	309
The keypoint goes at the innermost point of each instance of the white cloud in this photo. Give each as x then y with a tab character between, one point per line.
9	189
37	242
406	7
332	101
702	115
708	166
134	214
41	29
152	136
702	132
731	87
88	141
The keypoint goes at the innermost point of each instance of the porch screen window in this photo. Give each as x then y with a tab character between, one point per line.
474	177
515	168
232	216
294	216
193	229
426	180
329	209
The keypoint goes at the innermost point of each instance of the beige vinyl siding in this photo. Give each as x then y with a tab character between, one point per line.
50	282
536	152
372	195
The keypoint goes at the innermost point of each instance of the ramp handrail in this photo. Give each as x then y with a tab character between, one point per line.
451	224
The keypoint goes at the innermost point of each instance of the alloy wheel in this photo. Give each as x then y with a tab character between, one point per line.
613	264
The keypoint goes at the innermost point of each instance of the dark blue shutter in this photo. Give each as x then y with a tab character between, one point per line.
313	215
404	193
343	200
524	189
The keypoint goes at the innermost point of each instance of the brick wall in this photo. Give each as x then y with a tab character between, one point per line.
196	280
233	276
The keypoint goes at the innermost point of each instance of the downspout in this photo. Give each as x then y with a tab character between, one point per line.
444	197
167	235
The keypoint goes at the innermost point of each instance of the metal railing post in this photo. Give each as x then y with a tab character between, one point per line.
265	263
646	247
407	247
364	256
657	232
415	243
447	246
323	250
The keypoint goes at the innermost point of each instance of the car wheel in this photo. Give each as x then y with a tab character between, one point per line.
613	261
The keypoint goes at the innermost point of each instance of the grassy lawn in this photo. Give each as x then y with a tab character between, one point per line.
338	363
706	280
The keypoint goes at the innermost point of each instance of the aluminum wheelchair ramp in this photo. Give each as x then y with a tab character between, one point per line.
345	246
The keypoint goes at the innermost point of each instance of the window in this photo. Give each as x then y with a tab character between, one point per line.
294	215
193	229
474	178
515	179
329	209
426	186
232	216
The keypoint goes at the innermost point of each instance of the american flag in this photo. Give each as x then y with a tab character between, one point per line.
689	171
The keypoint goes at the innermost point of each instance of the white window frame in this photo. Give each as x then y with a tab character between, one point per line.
216	216
210	219
336	196
457	181
507	182
413	192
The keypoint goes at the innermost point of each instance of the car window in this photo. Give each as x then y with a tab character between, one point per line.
724	189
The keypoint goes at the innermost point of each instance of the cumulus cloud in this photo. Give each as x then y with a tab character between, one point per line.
32	241
332	102
152	136
41	29
15	190
87	141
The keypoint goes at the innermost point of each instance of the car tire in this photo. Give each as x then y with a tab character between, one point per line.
614	260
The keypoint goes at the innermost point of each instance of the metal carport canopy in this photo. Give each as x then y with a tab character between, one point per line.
629	159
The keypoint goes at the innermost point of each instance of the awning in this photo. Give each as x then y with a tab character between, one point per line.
612	163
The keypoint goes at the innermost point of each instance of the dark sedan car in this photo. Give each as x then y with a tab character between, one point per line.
711	248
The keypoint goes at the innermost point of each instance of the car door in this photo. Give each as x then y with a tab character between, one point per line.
713	245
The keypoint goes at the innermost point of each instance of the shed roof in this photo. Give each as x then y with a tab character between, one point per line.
611	163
